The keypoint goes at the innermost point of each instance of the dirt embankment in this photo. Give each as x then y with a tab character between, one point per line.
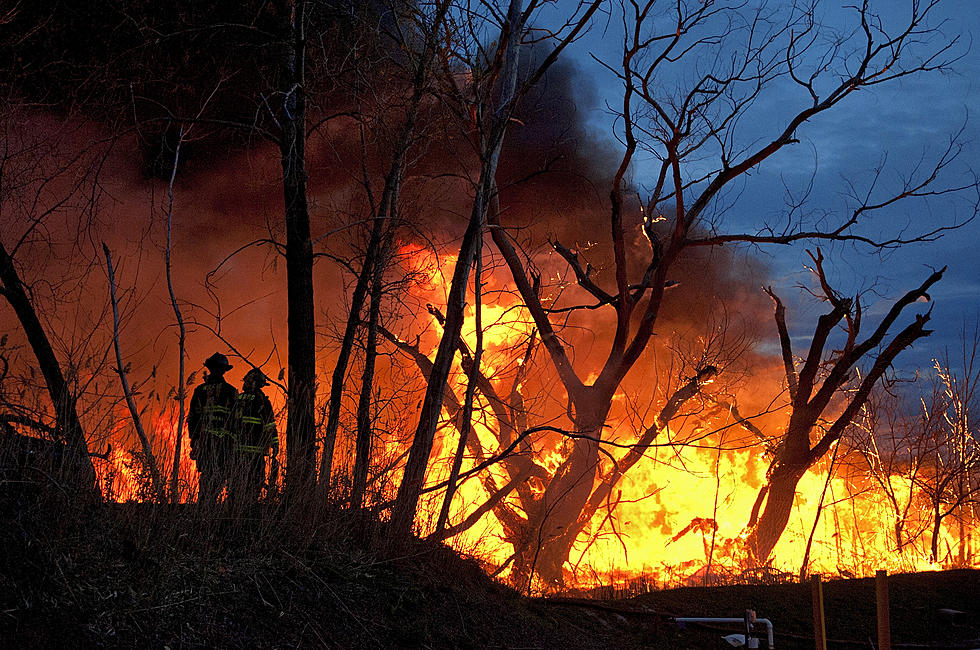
124	576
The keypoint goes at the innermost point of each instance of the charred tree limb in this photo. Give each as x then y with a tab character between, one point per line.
515	464
746	423
785	344
904	339
853	319
549	338
497	495
31	423
825	325
636	451
583	276
840	369
520	467
794	455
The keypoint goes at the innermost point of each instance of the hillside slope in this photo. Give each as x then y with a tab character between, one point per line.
123	576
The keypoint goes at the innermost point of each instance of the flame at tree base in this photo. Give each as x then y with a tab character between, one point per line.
683	523
680	521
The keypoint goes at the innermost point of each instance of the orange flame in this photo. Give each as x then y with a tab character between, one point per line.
681	514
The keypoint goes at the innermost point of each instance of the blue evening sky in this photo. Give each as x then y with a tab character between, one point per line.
899	124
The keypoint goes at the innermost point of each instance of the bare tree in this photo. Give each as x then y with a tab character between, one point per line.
416	35
886	439
949	449
466	416
720	58
291	118
494	89
270	47
181	384
42	179
159	489
814	388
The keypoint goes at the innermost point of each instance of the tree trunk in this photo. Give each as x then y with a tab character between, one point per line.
551	528
181	332
779	506
389	199
810	397
343	360
148	458
362	444
77	469
410	489
300	439
465	421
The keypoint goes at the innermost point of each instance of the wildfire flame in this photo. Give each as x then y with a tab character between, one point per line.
679	515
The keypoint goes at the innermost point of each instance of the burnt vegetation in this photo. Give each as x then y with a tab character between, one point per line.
502	349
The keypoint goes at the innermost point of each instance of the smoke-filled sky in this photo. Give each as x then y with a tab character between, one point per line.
229	195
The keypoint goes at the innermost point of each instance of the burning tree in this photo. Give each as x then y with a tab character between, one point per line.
495	92
391	120
923	458
948	447
739	55
361	95
817	387
887	442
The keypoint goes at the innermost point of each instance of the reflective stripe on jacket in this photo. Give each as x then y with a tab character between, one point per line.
210	409
253	423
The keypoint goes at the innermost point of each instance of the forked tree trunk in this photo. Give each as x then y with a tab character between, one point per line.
551	528
343	358
810	398
465	421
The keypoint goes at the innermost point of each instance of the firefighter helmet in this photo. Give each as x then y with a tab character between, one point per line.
217	362
256	377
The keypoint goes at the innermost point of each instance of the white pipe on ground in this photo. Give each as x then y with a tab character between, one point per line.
701	619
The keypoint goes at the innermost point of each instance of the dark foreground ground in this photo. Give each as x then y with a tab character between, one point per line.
142	577
928	610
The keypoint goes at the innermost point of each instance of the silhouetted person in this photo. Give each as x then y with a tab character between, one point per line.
253	425
207	423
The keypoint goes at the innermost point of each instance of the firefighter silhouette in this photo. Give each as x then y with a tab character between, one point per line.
253	427
207	422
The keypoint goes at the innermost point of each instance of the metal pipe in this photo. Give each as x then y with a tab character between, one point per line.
701	619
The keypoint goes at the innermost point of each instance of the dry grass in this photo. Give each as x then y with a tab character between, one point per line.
139	575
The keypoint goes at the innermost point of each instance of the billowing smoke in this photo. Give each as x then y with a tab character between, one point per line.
226	213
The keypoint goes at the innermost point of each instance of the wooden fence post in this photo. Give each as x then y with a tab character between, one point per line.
819	627
884	625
